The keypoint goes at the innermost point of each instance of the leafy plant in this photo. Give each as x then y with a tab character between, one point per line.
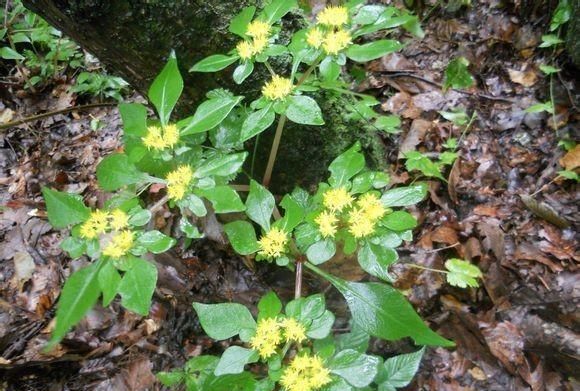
457	75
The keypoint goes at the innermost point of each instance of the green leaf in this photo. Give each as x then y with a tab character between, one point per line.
569	175
166	89
223	165
213	63
257	122
375	260
346	165
194	204
321	251
170	378
398	371
239	23
225	320
224	199
137	286
109	279
458	117
383	312
116	171
64	209
134	116
356	339
293	214
242	71
372	50
156	242
399	221
269	306
404	196
548	69
8	53
75	247
388	123
189	229
276	10
561	15
457	75
234	359
79	294
550	40
540	107
418	161
321	327
304	110
368	14
209	114
139	218
357	368
260	205
462	273
242	237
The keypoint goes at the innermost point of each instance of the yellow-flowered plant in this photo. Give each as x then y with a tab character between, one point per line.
259	32
120	245
160	138
267	338
305	373
294	331
278	88
334	16
337	199
96	224
273	243
178	182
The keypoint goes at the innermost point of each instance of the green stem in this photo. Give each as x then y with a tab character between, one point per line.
473	117
270	69
274	151
329	277
426	268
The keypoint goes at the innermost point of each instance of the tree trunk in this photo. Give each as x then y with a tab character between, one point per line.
132	38
572	41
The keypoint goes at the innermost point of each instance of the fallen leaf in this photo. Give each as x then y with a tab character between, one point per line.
571	159
506	342
415	136
526	78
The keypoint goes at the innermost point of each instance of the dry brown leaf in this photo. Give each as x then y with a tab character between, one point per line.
526	78
415	136
506	342
571	159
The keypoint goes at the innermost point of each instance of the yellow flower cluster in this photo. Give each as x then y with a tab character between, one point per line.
273	244
305	373
362	216
277	88
161	138
329	33
120	245
271	332
178	182
100	221
259	31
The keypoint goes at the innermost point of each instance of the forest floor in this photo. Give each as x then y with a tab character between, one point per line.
518	331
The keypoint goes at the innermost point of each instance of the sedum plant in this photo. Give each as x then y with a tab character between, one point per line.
196	160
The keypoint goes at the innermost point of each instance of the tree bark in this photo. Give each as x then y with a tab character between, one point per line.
132	38
572	41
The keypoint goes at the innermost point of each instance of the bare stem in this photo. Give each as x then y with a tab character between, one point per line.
426	268
298	284
159	204
274	151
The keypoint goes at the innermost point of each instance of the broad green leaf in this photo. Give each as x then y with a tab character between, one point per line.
346	165
548	69
306	234
458	117
75	247
225	320
213	63
293	214
368	14
305	309
321	251
388	123
194	204
383	312
109	279
224	199
304	110
221	165
242	71
398	371
189	229
269	306
239	23
329	69
356	339
234	359
375	260
116	171
399	221
166	89
257	122
462	273
156	242
79	294
209	114
321	327
169	379
134	116
372	50
569	175
561	15
242	237
457	75
276	10
260	205
64	209
137	286
357	368
404	196
8	53
550	40
418	161
540	107
139	218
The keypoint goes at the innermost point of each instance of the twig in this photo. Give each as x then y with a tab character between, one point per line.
159	204
274	151
52	113
298	284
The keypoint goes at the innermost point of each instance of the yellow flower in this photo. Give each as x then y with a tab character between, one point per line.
267	338
326	223
333	16
273	244
258	29
178	182
314	38
277	88
97	223
305	373
119	245
259	45
359	225
371	206
337	199
336	41
161	138
245	50
119	219
293	330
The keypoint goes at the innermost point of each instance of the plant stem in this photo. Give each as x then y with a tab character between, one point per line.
274	151
270	69
473	117
426	268
159	204
298	284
